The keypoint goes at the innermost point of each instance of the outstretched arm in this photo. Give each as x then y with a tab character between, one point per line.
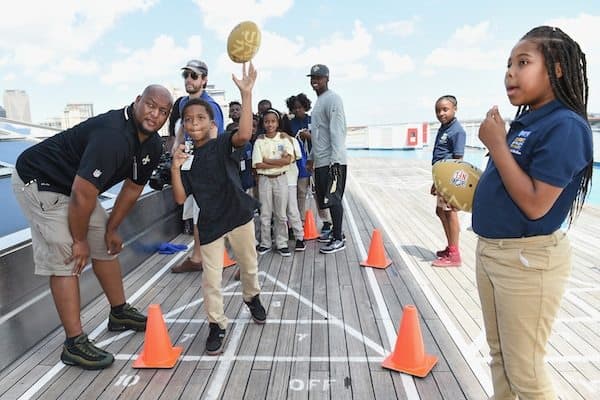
244	133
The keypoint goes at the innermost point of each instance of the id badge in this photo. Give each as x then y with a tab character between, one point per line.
243	165
187	163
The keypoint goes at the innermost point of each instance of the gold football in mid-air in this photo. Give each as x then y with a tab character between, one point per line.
243	42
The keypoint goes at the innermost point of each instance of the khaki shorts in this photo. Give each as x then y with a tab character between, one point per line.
51	239
441	203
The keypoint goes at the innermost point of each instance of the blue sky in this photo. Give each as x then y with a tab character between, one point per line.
389	60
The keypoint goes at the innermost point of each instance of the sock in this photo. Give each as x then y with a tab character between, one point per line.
70	341
453	249
117	309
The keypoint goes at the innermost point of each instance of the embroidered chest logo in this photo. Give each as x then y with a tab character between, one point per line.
146	160
444	138
97	173
518	142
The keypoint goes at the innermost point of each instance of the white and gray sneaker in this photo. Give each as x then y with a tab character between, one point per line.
333	246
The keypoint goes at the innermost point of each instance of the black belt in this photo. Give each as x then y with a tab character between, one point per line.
274	176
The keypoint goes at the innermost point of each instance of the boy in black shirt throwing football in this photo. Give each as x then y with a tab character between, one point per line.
211	174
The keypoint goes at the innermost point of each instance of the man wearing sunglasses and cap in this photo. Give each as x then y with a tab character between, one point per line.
195	77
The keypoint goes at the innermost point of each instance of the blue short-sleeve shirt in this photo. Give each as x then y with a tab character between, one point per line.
449	142
552	144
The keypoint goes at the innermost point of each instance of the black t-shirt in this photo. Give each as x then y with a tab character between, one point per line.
103	150
214	181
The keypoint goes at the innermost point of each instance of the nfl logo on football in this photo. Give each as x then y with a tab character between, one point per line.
459	178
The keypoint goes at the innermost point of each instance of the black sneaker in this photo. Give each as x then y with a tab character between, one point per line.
333	246
262	250
325	237
284	251
259	315
214	341
128	318
84	354
329	237
326	228
300	245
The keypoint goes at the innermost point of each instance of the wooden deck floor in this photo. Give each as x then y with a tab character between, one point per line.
330	322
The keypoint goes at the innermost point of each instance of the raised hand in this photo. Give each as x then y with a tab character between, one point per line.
492	131
179	157
248	78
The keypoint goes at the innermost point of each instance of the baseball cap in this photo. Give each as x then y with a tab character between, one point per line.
197	66
319	70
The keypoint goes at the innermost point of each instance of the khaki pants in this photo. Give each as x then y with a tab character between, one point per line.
520	283
242	241
273	194
293	215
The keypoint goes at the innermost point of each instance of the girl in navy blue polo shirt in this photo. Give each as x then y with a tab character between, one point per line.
538	174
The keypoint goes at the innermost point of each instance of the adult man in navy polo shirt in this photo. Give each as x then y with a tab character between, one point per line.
195	76
57	183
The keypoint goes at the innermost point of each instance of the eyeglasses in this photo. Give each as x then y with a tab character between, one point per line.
187	73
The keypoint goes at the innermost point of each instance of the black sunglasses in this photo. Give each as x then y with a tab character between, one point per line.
187	73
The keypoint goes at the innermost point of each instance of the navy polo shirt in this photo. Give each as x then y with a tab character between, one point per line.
103	150
552	144
214	180
449	142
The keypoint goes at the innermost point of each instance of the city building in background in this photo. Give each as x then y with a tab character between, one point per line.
76	113
55	123
2	112
16	104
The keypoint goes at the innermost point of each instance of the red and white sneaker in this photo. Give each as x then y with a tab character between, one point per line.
450	260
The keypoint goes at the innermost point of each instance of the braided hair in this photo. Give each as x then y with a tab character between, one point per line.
571	88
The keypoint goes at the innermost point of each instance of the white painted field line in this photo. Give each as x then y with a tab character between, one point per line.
225	362
332	318
99	329
407	381
252	358
480	373
248	321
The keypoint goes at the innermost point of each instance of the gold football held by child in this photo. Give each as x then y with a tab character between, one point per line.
455	181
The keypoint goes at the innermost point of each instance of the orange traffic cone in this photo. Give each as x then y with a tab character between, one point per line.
409	354
376	257
310	228
227	261
158	351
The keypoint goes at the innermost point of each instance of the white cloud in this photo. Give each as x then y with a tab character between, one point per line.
341	53
394	64
222	18
147	65
471	35
399	28
53	30
9	77
469	48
